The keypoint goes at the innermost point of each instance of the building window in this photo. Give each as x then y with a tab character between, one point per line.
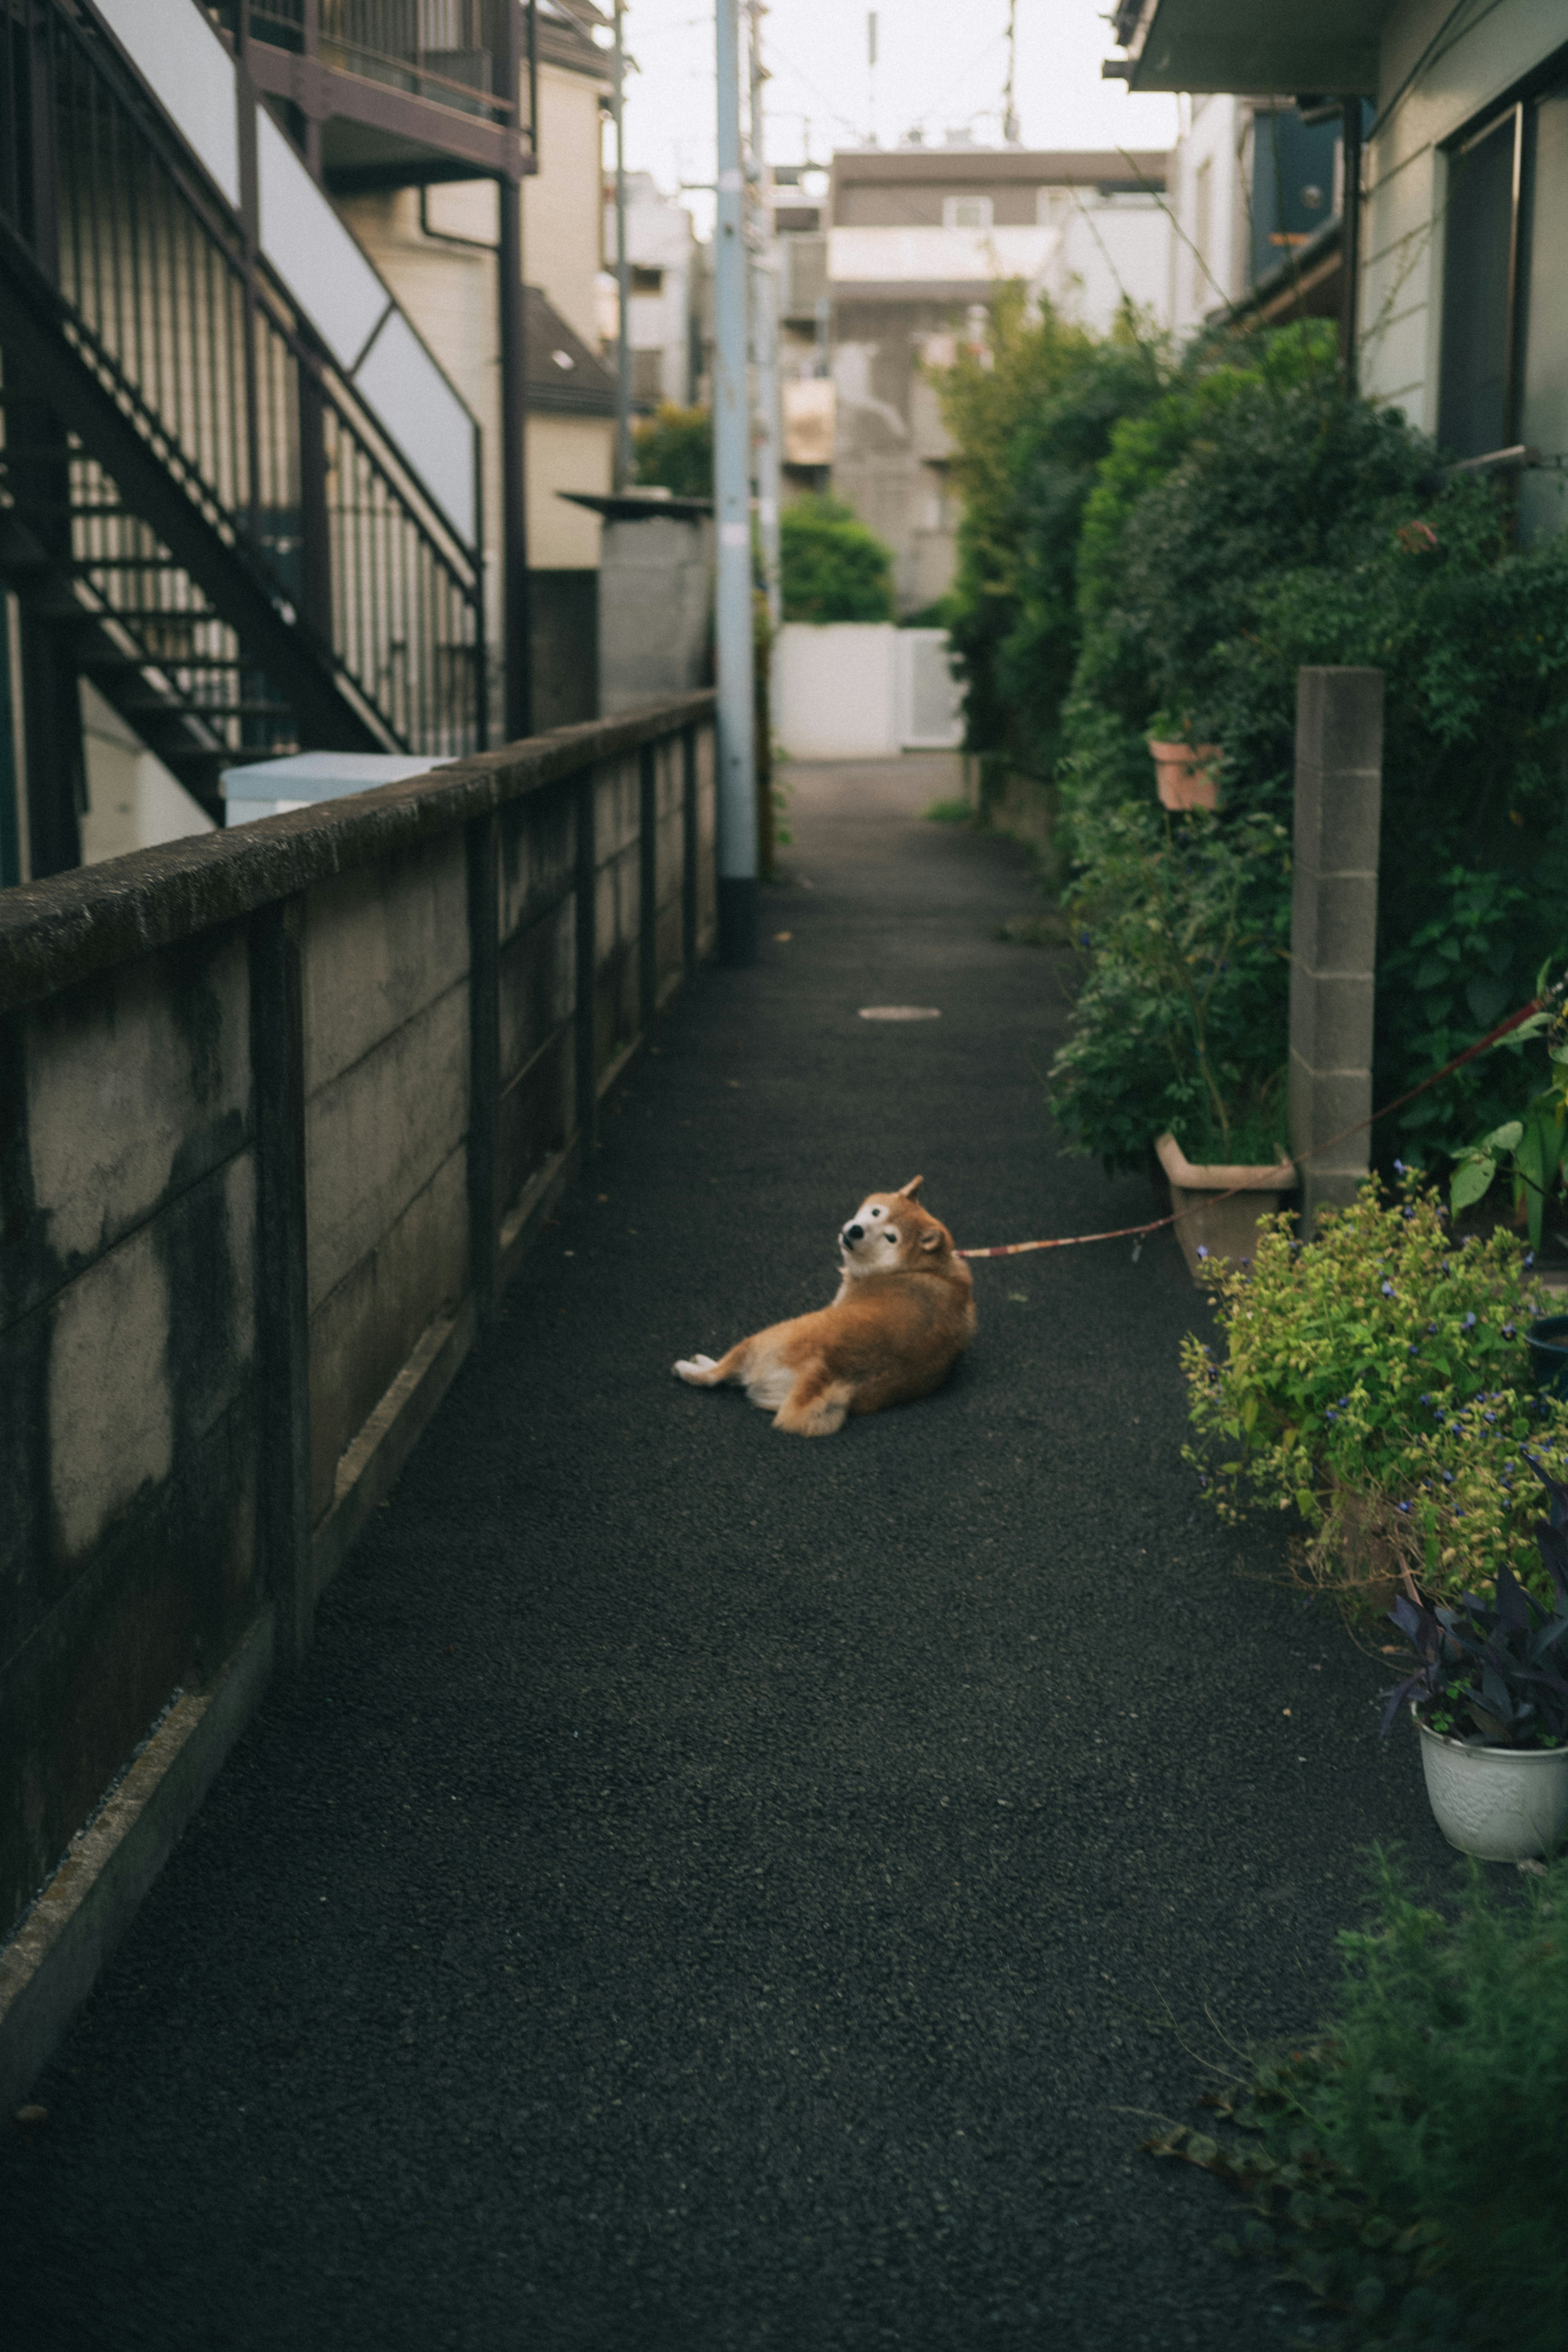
646	281
966	212
647	377
1503	379
1480	262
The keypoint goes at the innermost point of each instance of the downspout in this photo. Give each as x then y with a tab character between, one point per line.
517	639
1350	245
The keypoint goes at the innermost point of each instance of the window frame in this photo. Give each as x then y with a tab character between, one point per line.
1518	103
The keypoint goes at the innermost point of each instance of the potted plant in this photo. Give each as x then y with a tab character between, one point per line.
1219	1203
1186	775
1489	1692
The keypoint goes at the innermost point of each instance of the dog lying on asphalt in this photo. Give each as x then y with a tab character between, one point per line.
904	1313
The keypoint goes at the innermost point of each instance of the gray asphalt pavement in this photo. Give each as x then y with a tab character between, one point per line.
710	1891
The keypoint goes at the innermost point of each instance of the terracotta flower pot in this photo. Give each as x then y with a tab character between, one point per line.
1184	775
1223	1228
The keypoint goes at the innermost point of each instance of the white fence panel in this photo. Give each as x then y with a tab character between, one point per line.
930	698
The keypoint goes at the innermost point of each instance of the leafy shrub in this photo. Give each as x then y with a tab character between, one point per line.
1032	417
1534	1148
1182	934
673	449
1254	519
1409	2166
1492	1672
1444	2091
833	568
1385	1362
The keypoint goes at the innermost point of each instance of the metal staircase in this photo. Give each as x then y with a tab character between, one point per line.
198	509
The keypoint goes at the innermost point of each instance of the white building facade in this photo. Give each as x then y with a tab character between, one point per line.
662	254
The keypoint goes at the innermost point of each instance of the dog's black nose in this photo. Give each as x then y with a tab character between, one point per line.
854	1233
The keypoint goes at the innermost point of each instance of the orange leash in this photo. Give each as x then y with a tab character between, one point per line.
1126	1232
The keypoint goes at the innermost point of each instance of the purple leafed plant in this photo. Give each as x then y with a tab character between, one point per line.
1494	1674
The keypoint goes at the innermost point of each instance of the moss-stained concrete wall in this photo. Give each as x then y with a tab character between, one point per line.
212	1232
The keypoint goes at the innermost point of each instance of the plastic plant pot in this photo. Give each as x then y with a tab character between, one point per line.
1501	1804
1548	1354
1211	1222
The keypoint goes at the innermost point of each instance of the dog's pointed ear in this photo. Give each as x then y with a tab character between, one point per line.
907	1192
931	1241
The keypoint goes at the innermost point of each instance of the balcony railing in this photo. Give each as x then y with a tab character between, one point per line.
450	52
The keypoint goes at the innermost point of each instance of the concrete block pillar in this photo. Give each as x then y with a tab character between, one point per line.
1333	926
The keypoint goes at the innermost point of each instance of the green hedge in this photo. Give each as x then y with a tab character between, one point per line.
831	566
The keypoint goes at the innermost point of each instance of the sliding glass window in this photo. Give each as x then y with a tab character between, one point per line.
1503	385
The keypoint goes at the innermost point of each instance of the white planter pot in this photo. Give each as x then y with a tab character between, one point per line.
1503	1804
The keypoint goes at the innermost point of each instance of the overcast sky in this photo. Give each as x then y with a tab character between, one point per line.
939	65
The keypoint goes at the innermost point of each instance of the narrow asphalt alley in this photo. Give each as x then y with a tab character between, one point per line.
710	1892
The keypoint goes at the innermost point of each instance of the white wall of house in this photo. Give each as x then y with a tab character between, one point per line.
1108	249
562	204
567	453
133	802
1207	198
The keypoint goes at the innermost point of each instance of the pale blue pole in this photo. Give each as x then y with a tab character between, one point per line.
732	511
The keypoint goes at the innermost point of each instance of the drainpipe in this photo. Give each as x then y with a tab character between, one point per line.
732	502
1350	243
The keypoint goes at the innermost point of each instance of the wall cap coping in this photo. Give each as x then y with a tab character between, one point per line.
73	925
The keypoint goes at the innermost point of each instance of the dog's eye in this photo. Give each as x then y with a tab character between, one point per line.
890	1236
877	1213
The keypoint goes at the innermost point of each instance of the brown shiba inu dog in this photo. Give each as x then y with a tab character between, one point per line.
904	1314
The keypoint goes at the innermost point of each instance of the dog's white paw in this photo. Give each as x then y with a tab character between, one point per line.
694	1368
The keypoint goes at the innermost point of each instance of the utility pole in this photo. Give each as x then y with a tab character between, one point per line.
1010	103
764	329
732	501
871	77
622	473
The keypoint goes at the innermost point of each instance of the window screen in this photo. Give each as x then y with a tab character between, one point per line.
1543	408
1472	409
1294	167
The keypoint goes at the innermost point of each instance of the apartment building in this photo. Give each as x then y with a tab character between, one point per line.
436	244
899	258
261	358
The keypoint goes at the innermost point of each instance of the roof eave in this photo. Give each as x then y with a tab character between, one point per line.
1206	46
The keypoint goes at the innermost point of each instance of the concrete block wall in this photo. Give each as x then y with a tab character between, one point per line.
128	1438
1334	928
280	1108
385	958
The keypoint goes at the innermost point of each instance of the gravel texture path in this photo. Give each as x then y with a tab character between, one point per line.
710	1891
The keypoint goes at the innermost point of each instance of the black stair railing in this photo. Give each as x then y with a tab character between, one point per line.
235	511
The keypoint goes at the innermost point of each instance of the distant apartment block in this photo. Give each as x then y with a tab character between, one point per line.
900	258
